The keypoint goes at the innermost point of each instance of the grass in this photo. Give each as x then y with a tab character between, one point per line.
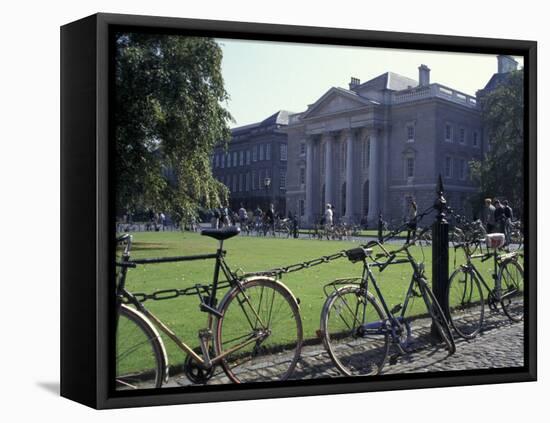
183	316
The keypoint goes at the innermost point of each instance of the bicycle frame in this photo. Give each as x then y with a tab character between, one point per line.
369	275
494	293
208	303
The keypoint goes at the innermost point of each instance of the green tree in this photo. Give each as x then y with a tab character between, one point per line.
501	172
169	115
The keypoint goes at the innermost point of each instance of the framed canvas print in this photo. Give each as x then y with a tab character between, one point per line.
257	211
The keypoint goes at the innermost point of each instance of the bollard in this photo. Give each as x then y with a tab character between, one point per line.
440	252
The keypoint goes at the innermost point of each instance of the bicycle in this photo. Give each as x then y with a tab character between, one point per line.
257	322
465	298
356	327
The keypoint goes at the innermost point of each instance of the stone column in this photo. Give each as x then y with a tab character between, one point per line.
309	180
329	169
374	171
350	171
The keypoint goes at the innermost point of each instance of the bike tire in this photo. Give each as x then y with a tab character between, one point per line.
273	358
141	361
353	353
438	317
465	303
510	276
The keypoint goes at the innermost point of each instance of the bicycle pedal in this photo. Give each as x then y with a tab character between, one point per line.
396	309
393	359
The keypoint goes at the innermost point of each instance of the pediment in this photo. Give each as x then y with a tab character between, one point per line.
333	101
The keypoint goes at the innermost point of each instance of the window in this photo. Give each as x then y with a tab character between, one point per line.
343	156
283	152
234	183
223	161
235	163
365	154
410	167
247	157
448	133
268	152
247	182
462	169
282	179
301	207
475	139
462	136
254	154
261	152
241	158
448	167
302	148
302	175
410	133
254	180
261	179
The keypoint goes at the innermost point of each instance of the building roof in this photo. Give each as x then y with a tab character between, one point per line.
496	80
389	81
278	118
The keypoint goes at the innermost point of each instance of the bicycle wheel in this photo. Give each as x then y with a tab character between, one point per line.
438	318
264	309
465	303
141	361
510	276
354	332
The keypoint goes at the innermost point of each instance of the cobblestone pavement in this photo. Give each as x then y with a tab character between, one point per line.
500	344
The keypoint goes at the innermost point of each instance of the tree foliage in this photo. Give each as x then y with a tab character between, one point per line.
501	173
169	115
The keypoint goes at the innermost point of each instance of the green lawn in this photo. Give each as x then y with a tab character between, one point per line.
253	254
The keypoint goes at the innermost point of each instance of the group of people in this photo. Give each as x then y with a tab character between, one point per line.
258	218
497	216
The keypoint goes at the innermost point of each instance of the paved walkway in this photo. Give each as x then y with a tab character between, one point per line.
499	345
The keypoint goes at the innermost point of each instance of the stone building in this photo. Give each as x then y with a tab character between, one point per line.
377	145
254	165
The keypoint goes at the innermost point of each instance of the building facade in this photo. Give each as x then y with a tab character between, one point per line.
254	165
378	145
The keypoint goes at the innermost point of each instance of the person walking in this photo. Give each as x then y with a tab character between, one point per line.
500	217
270	220
412	224
243	217
488	216
329	217
380	228
508	217
258	213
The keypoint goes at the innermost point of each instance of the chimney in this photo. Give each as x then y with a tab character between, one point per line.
355	82
506	64
423	76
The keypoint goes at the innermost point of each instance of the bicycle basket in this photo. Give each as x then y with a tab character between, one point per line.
495	240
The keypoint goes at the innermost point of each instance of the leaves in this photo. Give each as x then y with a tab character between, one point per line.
169	116
501	172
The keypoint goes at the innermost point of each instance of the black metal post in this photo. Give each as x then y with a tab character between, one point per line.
440	252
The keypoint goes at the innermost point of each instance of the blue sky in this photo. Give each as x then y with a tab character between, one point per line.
263	77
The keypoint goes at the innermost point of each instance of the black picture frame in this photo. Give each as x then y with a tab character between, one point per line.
86	196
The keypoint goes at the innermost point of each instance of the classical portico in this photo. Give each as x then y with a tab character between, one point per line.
372	148
336	174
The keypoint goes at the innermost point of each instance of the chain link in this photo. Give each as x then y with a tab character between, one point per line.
279	271
166	294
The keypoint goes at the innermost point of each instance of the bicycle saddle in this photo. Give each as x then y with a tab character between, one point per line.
221	234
